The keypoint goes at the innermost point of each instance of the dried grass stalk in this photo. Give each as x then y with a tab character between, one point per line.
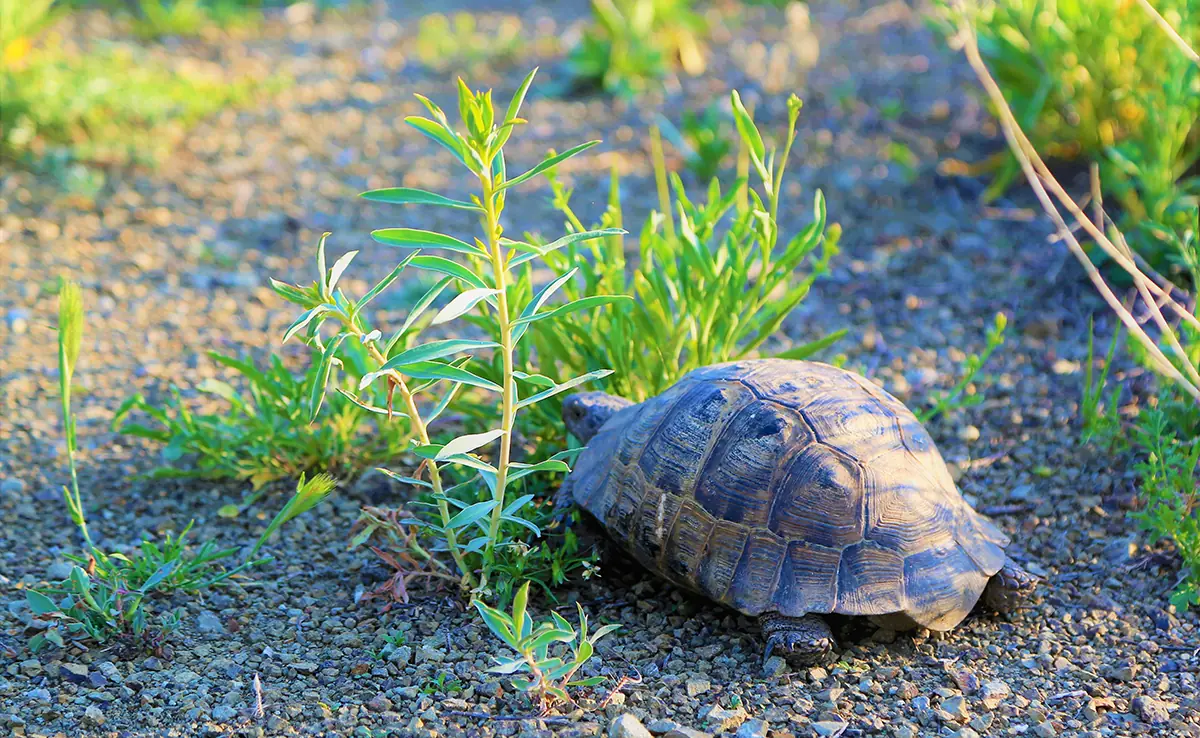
1152	289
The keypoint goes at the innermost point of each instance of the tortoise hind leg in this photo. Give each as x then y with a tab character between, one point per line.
805	640
1010	588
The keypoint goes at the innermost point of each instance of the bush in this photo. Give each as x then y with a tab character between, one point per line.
268	433
474	506
632	44
713	282
1100	81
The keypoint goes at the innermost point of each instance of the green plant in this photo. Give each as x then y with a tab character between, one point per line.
1166	433
1100	80
20	22
549	667
469	517
457	41
957	398
442	684
111	105
268	432
1094	416
157	18
309	494
631	44
1168	440
105	597
713	282
703	139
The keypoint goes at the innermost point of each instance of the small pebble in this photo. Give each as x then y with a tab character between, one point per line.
627	726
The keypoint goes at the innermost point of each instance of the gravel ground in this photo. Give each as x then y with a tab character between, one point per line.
175	261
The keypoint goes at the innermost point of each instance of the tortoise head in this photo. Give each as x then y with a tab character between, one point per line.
585	413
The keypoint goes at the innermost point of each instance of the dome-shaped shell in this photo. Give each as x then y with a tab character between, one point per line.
790	486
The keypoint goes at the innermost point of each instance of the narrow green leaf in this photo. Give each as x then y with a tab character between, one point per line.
403	479
471	514
542	466
339	267
368	407
746	128
414	238
468	443
413	315
566	240
386	281
322	270
462	303
583	303
514	106
159	576
439	134
316	395
410	196
305	318
806	350
436	350
536	303
442	265
569	384
546	164
437	370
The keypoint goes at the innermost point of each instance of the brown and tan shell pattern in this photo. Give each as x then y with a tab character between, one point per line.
790	486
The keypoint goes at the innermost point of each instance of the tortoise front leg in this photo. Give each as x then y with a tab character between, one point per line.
805	640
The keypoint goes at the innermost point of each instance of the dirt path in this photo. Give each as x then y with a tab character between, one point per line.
176	261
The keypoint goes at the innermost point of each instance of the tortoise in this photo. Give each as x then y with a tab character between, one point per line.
788	490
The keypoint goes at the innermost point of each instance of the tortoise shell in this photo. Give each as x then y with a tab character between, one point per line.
793	487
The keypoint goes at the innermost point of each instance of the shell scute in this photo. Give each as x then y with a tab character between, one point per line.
819	498
808	581
754	582
674	454
736	481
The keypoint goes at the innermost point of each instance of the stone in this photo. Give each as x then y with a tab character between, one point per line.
753	728
12	487
829	728
682	732
59	571
1154	712
965	733
402	655
223	712
627	726
697	686
723	719
305	667
379	703
660	726
74	673
993	693
93	716
1045	730
208	622
953	710
31	667
1119	552
41	694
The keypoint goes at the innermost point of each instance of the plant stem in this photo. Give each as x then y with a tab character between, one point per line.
435	477
508	401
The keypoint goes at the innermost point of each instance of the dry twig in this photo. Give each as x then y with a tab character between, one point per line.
1150	289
